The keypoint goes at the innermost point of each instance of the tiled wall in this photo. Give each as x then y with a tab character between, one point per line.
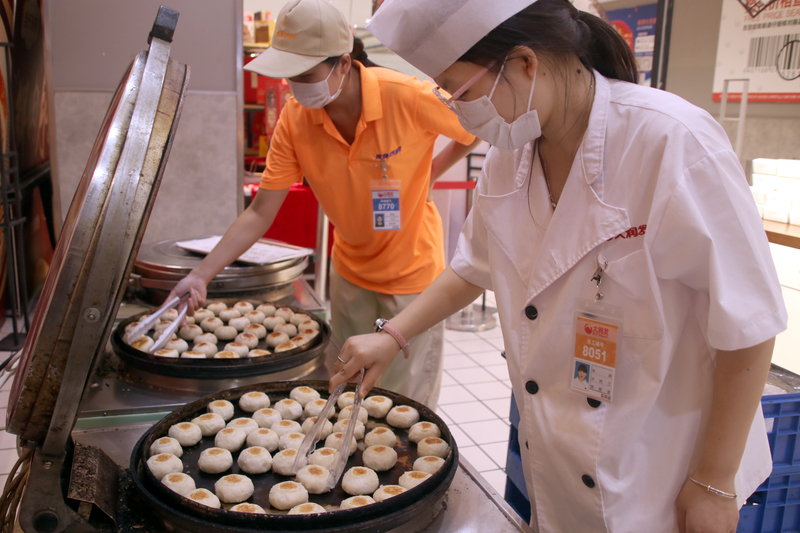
198	194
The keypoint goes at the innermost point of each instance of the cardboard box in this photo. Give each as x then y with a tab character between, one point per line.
759	195
765	182
248	28
789	168
777	207
264	31
794	213
765	166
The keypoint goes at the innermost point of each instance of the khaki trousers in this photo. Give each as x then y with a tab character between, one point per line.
354	311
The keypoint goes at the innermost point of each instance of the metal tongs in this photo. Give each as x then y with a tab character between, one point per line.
153	319
309	443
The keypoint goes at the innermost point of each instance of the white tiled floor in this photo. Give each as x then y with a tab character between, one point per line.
475	399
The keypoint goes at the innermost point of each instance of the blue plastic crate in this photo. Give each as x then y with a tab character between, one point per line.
518	501
775	506
514	464
513	416
782	415
516	493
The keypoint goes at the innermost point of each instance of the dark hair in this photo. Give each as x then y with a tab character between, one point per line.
358	54
558	29
583	368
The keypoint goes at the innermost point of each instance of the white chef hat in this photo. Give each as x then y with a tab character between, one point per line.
433	34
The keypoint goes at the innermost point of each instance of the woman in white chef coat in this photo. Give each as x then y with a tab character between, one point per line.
615	225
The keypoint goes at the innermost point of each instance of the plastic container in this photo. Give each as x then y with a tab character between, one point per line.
782	415
775	506
516	492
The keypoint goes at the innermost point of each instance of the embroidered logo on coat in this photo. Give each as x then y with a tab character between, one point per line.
636	231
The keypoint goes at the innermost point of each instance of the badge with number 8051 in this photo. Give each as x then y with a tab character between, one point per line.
598	329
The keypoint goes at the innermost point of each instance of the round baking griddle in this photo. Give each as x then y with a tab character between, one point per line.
187	515
220	368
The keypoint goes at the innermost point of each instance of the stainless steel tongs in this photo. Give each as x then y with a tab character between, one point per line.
309	443
153	319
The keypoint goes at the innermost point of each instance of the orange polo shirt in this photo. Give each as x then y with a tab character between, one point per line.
400	121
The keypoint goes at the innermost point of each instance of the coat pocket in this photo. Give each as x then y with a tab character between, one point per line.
631	283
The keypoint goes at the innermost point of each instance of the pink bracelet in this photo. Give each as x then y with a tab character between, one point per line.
383	325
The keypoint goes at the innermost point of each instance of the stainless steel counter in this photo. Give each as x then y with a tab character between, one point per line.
471	504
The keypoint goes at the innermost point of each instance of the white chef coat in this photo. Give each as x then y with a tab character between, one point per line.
656	191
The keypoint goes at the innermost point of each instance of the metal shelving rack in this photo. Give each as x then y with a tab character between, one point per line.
12	220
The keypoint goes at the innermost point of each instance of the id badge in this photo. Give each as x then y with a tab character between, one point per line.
598	331
385	204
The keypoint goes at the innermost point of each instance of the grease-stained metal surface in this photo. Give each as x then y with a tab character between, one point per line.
94	478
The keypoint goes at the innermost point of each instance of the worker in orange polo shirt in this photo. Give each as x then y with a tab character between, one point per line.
363	138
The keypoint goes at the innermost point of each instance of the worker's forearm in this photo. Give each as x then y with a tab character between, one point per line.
738	385
448	294
449	156
243	233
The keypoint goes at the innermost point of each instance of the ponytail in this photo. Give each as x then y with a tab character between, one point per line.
558	29
607	52
358	54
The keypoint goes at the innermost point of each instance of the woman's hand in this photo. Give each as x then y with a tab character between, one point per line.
373	352
700	511
196	286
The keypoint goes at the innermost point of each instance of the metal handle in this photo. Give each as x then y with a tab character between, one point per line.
164	25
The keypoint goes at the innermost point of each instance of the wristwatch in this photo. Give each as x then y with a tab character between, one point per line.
383	325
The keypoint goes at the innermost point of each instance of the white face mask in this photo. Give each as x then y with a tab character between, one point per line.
315	95
480	118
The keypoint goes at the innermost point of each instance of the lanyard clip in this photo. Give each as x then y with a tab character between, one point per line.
598	278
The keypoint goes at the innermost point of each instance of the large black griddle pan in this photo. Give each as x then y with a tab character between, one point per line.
378	517
221	368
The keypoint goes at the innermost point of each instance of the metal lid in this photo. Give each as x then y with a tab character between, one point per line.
168	261
101	235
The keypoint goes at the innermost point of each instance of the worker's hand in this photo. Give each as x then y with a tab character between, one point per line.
700	511
374	352
197	292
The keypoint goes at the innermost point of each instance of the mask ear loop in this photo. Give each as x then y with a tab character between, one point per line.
497	79
533	84
335	95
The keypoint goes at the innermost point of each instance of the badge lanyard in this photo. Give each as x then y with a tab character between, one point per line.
385	201
598	331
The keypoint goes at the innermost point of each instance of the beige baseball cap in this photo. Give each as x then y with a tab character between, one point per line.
307	32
